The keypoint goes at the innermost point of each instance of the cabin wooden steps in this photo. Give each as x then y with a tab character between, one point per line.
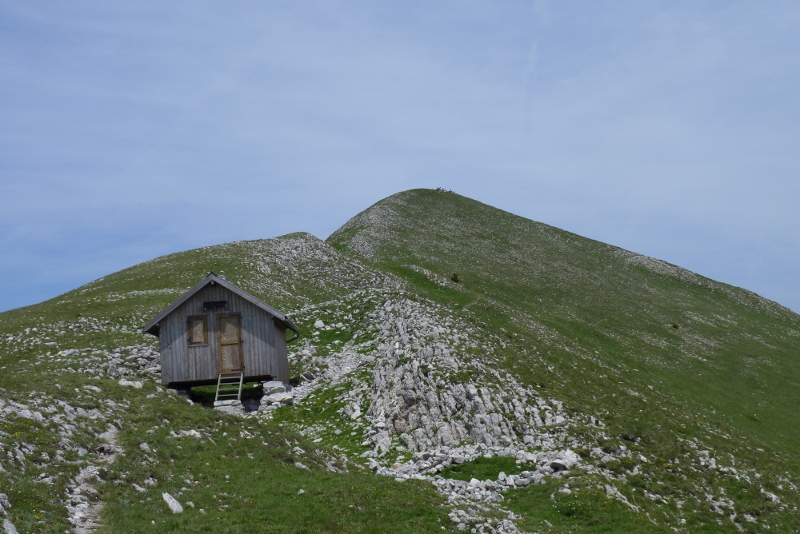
229	386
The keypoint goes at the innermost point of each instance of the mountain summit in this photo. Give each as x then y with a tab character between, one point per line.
460	368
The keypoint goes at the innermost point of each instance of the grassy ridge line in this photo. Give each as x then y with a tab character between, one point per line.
671	357
605	299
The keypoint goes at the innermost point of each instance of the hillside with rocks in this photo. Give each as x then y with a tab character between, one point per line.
459	369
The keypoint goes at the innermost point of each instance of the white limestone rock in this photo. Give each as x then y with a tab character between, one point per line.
174	506
4	503
284	397
274	386
383	443
564	460
234	407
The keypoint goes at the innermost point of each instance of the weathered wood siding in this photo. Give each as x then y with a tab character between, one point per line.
263	341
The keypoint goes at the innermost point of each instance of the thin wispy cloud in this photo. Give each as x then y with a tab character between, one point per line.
666	128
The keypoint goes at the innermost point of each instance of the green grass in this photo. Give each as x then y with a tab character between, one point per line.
575	319
243	476
586	323
585	509
261	494
484	468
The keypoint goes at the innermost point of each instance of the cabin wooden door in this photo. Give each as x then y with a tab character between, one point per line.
229	343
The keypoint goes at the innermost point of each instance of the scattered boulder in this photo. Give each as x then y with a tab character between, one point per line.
234	407
275	400
274	386
282	398
174	506
564	460
308	375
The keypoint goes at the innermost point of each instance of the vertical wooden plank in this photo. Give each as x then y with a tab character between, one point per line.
169	350
265	356
281	356
246	333
257	354
163	338
269	344
257	351
175	347
187	353
269	347
209	367
173	359
267	352
271	333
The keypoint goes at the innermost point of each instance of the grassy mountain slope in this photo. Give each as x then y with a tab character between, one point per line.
665	356
80	386
561	385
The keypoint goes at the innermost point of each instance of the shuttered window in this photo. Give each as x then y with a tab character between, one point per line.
198	330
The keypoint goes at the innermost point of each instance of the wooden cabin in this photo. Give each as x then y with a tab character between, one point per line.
215	329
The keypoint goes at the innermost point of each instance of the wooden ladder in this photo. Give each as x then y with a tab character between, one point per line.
229	386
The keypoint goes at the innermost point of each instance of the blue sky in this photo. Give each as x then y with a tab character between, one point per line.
132	130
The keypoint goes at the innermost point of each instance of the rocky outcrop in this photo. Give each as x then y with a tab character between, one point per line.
426	383
275	395
433	386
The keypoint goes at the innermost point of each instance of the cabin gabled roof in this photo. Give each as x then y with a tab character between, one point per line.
153	326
